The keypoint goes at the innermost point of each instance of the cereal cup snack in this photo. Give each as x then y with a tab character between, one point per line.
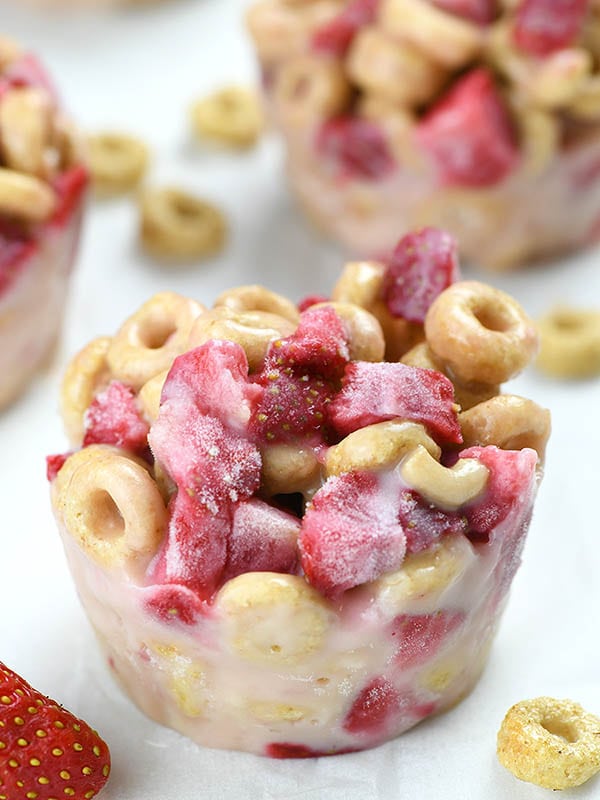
42	186
285	543
475	116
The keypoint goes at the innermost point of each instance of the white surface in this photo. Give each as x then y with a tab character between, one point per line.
138	71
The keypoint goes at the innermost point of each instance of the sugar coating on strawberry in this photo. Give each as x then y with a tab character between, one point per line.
424	524
418	637
355	148
380	706
542	27
171	603
194	552
262	539
114	418
376	392
350	532
469	134
423	264
335	37
214	379
46	751
480	11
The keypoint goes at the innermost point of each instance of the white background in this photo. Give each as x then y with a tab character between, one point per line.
138	71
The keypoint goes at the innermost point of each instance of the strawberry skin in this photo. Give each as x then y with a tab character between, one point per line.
46	753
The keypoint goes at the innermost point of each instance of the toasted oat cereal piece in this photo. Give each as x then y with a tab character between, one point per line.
570	343
552	743
231	116
118	162
176	225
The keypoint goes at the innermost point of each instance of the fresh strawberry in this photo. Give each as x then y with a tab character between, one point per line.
418	637
262	539
115	418
54	464
354	148
171	603
542	27
423	264
424	524
350	533
380	707
469	134
335	37
386	390
480	11
45	751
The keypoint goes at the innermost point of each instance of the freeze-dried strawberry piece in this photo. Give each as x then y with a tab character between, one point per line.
335	37
424	524
171	603
69	187
289	750
418	637
214	378
509	489
380	706
114	418
207	461
54	464
16	248
355	148
542	27
382	391
423	264
26	71
480	11
311	300
262	539
469	134
319	345
194	551
350	532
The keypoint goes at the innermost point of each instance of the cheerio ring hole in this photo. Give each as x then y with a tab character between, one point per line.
493	318
276	648
566	322
103	517
557	727
187	209
155	332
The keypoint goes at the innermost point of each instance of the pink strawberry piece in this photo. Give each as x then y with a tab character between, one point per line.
469	134
311	300
319	345
262	539
70	187
54	464
114	418
214	379
423	264
46	752
542	27
289	750
419	637
380	707
350	532
207	461
424	524
355	148
335	37
171	603
480	11
194	552
383	391
26	71
16	248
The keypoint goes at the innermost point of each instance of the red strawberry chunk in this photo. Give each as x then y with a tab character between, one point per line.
54	464
419	637
480	11
194	552
114	418
542	27
214	379
46	749
469	134
355	148
318	345
379	708
335	37
26	71
16	248
207	461
70	187
423	264
424	524
262	539
350	532
382	391
311	300
172	603
289	750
